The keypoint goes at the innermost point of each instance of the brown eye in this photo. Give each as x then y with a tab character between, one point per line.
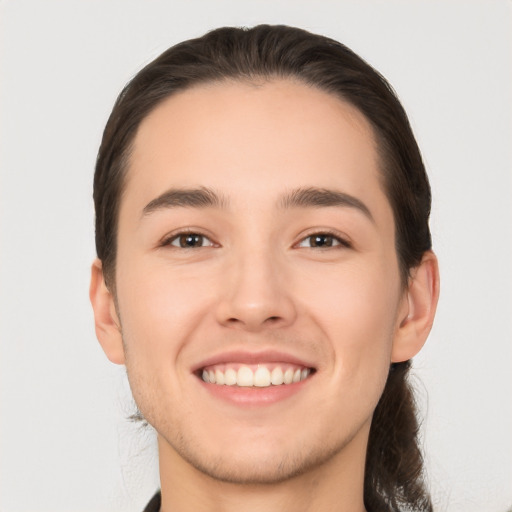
323	241
190	241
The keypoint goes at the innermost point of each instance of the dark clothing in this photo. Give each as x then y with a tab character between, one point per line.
154	504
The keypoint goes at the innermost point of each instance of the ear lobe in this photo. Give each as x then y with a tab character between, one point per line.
106	321
417	316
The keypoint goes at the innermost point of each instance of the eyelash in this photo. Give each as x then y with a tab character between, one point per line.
168	241
336	239
333	238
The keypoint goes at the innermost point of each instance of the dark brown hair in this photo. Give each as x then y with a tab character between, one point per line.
394	465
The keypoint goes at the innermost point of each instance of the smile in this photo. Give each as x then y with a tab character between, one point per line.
258	375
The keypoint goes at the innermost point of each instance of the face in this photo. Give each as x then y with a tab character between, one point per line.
258	289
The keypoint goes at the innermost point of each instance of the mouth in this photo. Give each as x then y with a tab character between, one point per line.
254	379
259	375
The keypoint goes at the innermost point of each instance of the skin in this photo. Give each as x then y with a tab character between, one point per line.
256	282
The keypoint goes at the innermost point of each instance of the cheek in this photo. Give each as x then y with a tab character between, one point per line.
159	310
164	293
357	309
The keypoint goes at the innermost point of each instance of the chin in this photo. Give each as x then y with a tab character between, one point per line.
264	466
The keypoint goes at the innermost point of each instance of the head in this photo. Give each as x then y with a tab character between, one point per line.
273	64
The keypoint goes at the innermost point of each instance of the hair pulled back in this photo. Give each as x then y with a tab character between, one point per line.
394	465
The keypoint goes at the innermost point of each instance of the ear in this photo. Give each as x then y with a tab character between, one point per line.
106	321
417	310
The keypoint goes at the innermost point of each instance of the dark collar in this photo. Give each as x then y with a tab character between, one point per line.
154	503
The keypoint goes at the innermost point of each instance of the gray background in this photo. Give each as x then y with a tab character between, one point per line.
65	443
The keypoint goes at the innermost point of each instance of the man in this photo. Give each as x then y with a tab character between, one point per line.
264	272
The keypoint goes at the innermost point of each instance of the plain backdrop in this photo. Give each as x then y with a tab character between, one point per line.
65	442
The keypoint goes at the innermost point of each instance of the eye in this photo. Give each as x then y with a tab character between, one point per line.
323	241
189	241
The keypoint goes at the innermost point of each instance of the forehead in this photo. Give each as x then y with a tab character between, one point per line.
257	139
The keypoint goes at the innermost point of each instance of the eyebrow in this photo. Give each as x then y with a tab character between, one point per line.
312	197
201	197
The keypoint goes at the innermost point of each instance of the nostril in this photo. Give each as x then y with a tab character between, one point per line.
273	321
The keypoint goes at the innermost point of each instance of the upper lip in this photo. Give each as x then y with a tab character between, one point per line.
249	357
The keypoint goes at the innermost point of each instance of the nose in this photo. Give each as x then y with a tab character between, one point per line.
256	294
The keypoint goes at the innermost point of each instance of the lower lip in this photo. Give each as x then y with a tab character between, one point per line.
254	396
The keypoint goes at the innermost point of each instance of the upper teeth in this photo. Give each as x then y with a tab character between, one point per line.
261	376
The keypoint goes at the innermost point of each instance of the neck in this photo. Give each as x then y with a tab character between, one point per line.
337	484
